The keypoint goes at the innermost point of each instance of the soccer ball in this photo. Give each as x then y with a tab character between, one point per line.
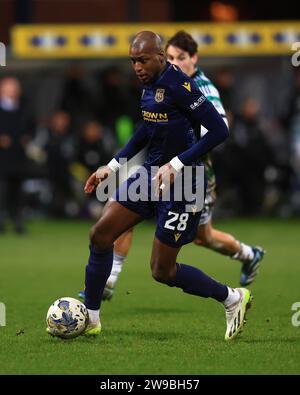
67	318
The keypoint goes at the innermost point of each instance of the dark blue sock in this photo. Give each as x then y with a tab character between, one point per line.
194	281
96	274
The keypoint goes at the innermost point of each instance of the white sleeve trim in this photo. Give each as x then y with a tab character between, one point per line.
114	165
176	163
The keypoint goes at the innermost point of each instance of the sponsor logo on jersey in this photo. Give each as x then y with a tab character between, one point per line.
177	235
197	103
159	95
187	86
155	116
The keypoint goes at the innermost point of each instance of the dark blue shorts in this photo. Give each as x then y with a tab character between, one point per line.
175	225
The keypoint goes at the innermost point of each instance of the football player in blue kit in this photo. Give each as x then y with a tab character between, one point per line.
181	50
173	108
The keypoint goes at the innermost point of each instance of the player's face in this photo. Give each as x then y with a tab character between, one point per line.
147	65
182	59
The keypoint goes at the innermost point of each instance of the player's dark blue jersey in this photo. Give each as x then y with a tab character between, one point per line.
168	121
173	108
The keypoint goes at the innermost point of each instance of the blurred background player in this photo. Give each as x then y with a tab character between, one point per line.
181	50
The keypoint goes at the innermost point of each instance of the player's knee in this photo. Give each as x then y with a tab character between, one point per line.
204	239
100	238
162	274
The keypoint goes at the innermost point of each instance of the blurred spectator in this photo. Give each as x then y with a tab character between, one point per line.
250	156
14	135
224	80
114	98
60	149
76	98
96	147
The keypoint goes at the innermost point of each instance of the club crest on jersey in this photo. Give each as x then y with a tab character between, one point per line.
159	95
187	86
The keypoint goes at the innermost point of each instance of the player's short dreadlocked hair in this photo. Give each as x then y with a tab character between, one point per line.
184	41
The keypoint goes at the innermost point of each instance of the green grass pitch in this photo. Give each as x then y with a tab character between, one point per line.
148	328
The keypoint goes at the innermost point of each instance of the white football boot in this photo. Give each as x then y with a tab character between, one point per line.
236	313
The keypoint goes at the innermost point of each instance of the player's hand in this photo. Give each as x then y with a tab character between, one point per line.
96	178
164	178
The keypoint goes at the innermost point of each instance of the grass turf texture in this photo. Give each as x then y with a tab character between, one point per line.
148	328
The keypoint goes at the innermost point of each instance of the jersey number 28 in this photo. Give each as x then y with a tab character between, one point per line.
181	221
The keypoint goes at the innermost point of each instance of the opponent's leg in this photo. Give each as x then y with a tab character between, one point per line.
221	242
116	220
226	244
123	243
121	248
191	280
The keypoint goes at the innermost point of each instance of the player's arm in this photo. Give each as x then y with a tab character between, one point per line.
202	112
134	145
138	141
